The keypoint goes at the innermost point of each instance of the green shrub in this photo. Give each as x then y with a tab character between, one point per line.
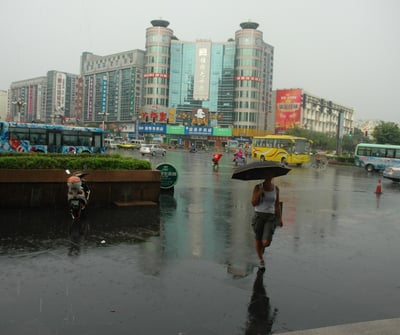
73	162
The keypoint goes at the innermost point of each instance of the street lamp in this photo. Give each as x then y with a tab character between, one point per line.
104	114
58	114
19	103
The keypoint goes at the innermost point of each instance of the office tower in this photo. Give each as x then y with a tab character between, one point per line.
201	77
112	86
156	70
253	78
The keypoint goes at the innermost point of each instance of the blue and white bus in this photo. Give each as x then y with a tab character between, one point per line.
45	138
376	156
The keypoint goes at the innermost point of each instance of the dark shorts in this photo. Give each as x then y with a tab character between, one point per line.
264	226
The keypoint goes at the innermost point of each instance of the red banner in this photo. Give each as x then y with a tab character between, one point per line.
288	109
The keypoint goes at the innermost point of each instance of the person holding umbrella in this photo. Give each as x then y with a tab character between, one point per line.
265	200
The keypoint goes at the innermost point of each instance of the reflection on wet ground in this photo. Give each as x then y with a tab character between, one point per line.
34	230
188	266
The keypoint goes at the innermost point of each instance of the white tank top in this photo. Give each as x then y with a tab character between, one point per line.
267	202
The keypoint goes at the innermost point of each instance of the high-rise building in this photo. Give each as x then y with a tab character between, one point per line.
201	77
112	86
230	82
47	99
27	100
157	70
62	97
3	104
253	78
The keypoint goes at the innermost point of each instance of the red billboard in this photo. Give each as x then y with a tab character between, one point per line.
287	109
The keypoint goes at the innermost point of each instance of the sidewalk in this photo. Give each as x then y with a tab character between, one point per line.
380	327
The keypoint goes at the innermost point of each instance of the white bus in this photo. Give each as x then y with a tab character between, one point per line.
375	157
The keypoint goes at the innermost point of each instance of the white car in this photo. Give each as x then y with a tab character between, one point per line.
392	173
152	149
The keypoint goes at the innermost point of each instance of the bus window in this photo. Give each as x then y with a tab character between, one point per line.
70	138
37	136
378	152
21	134
390	153
97	140
85	139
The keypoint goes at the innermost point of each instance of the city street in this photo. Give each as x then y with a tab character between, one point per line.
189	266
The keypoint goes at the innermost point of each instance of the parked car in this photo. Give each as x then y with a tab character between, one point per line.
109	143
152	149
392	173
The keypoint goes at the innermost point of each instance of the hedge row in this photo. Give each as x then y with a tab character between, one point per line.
72	162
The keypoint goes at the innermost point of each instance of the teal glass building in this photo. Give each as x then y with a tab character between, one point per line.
202	76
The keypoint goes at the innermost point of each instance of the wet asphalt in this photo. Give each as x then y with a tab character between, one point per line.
188	266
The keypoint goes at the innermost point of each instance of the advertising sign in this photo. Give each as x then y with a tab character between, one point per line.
222	131
152	128
169	175
179	130
202	70
288	109
198	130
200	116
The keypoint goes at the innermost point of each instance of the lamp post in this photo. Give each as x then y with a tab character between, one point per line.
104	114
137	124
19	103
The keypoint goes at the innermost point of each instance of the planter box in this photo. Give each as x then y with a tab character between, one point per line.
44	188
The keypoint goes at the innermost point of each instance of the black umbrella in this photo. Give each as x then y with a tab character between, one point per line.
259	170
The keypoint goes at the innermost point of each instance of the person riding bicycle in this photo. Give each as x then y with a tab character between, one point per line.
238	155
216	157
318	160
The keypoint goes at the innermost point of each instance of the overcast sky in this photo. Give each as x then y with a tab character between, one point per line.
347	51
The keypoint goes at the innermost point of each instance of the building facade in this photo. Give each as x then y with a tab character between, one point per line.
49	99
298	108
112	86
201	83
27	100
62	97
205	83
182	83
253	78
3	104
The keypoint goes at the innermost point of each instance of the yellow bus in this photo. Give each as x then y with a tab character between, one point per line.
285	149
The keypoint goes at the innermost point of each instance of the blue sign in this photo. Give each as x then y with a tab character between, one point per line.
152	128
198	130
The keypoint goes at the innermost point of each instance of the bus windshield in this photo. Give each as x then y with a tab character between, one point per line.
282	148
36	137
376	156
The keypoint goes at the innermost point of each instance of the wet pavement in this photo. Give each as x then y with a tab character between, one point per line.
189	265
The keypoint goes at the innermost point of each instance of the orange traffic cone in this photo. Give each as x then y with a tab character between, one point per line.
379	187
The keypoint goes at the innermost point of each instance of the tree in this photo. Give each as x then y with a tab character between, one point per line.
387	133
322	141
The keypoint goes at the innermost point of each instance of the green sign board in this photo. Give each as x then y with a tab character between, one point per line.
222	131
177	130
169	175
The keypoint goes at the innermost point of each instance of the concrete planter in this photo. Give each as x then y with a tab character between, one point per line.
44	188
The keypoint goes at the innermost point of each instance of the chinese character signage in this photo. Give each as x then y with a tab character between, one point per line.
198	130
169	175
288	109
152	128
177	130
222	131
